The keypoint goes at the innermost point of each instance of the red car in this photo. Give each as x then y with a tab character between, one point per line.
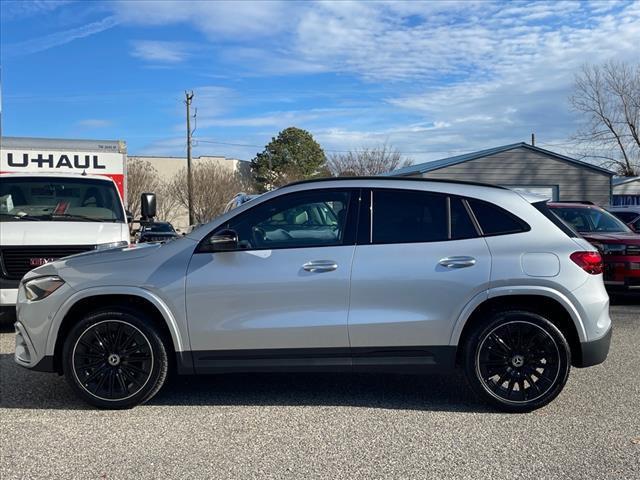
618	244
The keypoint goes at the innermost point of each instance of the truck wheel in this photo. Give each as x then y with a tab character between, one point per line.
115	359
518	361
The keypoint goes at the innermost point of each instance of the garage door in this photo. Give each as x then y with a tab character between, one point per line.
550	192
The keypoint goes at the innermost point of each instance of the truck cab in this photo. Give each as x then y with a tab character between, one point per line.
44	217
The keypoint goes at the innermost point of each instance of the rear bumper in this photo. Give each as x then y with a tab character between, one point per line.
595	351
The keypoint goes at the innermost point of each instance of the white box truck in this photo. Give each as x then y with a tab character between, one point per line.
57	198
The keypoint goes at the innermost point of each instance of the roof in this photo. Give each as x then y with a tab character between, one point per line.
118	146
392	179
447	162
623	180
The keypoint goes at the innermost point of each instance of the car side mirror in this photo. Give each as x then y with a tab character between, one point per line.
223	241
148	205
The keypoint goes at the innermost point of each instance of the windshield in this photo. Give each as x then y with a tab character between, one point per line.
59	199
160	228
591	220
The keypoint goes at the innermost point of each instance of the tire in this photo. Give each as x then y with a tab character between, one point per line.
115	359
518	361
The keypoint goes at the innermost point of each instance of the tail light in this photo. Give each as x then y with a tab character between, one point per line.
590	262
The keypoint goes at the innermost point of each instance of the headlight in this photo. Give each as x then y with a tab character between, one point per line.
42	287
106	246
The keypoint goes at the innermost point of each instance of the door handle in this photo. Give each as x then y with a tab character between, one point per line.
320	266
457	262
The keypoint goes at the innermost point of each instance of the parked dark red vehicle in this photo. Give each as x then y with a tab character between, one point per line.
618	244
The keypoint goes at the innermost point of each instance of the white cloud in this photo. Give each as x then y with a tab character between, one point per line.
16	9
59	38
160	51
94	123
217	19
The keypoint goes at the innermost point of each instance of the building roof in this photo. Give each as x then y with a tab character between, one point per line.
447	162
623	180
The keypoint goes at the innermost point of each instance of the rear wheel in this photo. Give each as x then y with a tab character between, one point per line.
115	359
518	361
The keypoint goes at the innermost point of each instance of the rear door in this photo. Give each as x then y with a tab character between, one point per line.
422	262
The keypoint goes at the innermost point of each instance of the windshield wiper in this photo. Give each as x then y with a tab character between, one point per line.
21	217
79	217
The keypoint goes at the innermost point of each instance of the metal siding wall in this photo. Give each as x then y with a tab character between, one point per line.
524	167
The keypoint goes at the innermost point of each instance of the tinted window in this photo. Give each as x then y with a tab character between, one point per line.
297	220
494	220
626	216
461	224
588	219
408	216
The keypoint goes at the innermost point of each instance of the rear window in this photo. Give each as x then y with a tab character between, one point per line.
494	220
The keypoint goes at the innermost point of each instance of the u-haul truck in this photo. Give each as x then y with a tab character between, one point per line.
57	198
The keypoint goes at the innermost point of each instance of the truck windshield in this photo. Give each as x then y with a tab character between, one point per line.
591	220
59	199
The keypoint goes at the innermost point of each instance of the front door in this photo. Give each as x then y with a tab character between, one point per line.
281	299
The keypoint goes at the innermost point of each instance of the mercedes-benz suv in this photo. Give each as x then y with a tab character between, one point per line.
366	274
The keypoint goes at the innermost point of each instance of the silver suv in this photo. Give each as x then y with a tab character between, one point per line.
369	274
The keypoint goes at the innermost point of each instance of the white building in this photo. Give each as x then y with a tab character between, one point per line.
169	167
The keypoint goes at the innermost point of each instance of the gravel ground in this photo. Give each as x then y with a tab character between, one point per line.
327	426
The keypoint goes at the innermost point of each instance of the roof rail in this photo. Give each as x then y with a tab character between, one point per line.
394	179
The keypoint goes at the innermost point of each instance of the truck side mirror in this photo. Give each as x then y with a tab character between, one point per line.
129	216
148	205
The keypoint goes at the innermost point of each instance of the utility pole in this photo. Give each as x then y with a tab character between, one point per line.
533	139
188	99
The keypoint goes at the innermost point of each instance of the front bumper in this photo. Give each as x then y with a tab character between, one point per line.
8	292
595	351
622	272
26	354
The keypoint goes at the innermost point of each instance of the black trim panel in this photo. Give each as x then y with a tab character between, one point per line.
594	353
418	359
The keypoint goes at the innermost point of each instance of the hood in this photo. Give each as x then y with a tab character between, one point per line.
626	238
26	232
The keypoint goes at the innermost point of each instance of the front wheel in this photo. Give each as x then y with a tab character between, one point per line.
518	361
115	359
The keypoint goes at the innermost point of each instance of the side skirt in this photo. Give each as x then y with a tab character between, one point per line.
414	359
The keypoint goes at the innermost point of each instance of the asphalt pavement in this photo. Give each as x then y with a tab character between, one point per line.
327	426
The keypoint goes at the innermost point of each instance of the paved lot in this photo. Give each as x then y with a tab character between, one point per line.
328	426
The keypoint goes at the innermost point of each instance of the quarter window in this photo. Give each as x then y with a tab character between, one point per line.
408	216
311	219
494	220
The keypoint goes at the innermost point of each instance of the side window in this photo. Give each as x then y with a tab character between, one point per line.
494	220
308	219
404	216
461	224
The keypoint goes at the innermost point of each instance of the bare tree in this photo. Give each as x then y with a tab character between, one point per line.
141	177
608	96
213	187
366	161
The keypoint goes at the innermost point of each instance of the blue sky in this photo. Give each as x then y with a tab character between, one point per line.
430	78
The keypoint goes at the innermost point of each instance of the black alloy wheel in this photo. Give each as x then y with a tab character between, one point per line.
115	358
112	360
520	361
